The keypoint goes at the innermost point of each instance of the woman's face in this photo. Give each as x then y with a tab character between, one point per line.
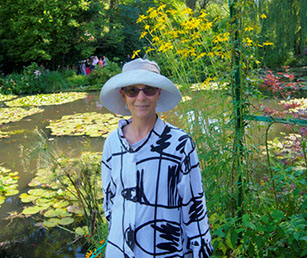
143	105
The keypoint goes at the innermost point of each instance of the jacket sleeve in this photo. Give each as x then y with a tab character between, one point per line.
107	186
193	208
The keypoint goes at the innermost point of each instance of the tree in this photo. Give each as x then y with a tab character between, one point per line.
50	32
285	24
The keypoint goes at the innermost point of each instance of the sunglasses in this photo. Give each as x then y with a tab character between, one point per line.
132	91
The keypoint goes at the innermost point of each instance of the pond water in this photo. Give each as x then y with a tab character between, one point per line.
20	237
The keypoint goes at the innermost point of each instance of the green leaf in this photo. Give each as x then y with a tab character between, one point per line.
31	210
66	221
53	222
278	215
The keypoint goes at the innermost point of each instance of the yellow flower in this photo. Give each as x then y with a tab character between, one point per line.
161	7
200	56
187	11
248	41
153	14
211	54
203	14
149	50
268	43
150	10
88	254
263	16
249	28
141	18
206	26
143	34
165	47
171	11
135	53
147	27
156	38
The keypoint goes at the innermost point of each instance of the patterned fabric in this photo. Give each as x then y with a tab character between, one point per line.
153	195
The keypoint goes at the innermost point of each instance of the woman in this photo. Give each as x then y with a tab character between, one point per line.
153	195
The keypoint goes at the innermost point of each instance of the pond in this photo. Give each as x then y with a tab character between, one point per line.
20	237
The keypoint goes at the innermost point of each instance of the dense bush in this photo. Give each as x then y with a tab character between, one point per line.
100	75
34	81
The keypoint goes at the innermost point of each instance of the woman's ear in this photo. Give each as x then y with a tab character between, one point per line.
123	95
159	93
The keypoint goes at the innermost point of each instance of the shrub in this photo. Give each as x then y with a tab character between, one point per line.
99	76
53	81
77	80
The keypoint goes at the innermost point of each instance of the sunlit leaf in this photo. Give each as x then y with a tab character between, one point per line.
8	115
92	124
47	99
31	210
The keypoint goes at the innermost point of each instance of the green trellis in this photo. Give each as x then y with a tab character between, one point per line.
238	110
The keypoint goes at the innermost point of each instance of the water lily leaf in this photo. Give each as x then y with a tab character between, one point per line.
92	124
56	213
27	198
8	183
44	206
51	222
82	231
31	210
66	221
61	204
11	192
8	115
44	201
47	99
7	97
73	209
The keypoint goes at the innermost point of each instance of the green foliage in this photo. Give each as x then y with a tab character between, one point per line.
269	234
100	75
284	24
29	81
8	183
76	81
46	99
45	31
91	124
65	190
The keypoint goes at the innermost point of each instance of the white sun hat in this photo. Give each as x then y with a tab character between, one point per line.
139	71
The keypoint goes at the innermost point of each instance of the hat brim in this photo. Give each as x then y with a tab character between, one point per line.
111	98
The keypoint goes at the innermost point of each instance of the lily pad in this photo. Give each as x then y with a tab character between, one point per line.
61	204
81	231
6	134
7	97
92	124
50	223
8	115
8	183
46	99
31	210
27	198
12	192
66	221
56	213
